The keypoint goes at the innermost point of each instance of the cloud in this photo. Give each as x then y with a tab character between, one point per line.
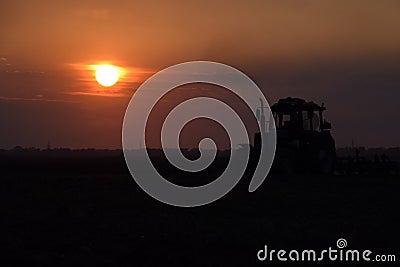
97	94
4	61
35	99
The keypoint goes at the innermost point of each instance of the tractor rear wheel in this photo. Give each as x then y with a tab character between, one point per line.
326	161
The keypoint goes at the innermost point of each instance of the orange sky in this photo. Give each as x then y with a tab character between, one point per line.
343	53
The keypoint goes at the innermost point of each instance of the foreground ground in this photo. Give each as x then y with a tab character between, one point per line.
90	212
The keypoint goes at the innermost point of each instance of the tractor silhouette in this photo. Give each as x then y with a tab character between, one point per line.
304	141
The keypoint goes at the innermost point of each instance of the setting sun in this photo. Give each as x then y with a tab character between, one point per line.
107	75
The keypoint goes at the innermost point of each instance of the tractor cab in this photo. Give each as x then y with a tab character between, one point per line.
294	116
